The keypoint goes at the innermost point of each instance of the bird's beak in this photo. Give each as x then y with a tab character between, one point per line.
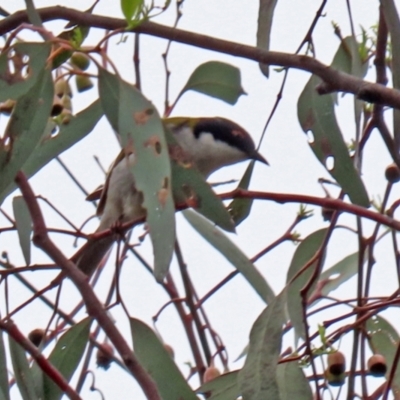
258	157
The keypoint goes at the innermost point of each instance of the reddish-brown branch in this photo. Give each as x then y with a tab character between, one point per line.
43	363
334	80
93	305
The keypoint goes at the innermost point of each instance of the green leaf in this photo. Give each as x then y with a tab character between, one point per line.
232	253
341	272
21	370
257	378
393	23
216	79
239	209
79	126
305	251
25	129
316	114
66	356
189	187
224	387
158	363
292	382
33	56
384	339
264	25
141	130
131	8
4	387
23	221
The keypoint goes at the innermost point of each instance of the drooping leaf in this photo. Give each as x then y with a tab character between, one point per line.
78	127
23	221
316	114
216	79
292	382
131	8
257	379
189	187
142	132
29	60
264	25
304	253
4	387
224	387
158	363
232	253
384	339
341	272
66	356
21	370
25	129
239	209
393	23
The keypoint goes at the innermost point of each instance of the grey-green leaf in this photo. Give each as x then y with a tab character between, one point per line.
317	115
216	79
12	85
292	382
239	209
224	387
393	23
23	221
21	370
304	253
384	339
158	363
4	388
66	356
25	129
141	129
264	25
79	126
257	379
232	253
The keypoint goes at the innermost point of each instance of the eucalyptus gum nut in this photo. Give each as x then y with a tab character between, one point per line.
392	173
57	107
83	83
37	336
103	358
62	88
80	60
336	363
210	374
377	365
7	106
66	102
335	380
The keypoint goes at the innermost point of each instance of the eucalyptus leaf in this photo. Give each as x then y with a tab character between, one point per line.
384	339
292	382
317	115
21	370
142	133
257	379
232	253
158	363
264	25
216	79
23	221
4	387
25	128
393	23
297	278
66	356
224	387
13	85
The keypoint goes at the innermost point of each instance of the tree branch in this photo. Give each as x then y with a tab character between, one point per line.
334	80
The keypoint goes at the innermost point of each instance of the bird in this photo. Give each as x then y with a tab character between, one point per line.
209	143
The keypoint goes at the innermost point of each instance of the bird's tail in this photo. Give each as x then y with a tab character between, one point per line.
92	253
